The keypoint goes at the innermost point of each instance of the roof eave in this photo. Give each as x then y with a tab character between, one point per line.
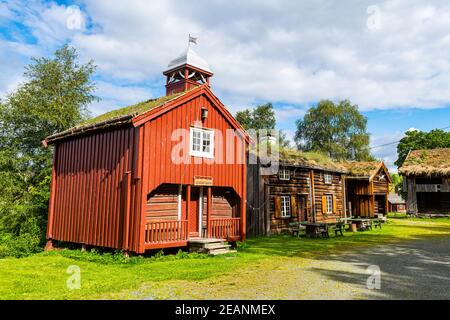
86	128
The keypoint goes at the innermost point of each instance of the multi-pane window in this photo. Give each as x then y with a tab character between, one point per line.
285	206
284	174
329	203
202	143
328	178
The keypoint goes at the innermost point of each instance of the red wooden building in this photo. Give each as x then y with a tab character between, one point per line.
155	174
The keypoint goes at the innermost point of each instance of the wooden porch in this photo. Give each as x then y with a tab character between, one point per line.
174	233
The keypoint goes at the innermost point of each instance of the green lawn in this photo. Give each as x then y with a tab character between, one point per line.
43	276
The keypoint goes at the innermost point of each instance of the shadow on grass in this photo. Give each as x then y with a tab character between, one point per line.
286	245
411	270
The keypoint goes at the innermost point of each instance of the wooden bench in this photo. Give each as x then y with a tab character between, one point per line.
337	228
297	229
376	223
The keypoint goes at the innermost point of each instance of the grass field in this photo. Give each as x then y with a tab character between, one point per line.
44	275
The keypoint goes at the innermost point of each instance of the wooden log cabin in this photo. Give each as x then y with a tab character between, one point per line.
426	178
304	189
311	187
396	203
152	175
367	188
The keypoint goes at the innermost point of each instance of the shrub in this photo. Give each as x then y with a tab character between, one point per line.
26	243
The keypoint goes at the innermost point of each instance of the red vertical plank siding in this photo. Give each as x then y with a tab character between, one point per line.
86	203
51	206
93	199
158	167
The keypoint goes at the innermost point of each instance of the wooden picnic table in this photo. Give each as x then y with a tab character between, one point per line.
321	229
362	223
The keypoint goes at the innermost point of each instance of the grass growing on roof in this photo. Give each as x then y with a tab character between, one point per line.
427	162
308	158
43	276
362	168
132	110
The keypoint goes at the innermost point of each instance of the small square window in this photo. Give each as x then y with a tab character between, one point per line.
202	143
285	206
328	178
284	174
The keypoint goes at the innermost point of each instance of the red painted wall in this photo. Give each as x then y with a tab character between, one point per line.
101	179
89	184
157	145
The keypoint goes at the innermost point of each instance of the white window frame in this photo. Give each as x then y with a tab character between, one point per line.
328	178
284	174
200	153
329	203
285	207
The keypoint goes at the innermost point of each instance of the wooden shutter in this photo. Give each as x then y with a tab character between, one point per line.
277	201
294	210
324	204
334	205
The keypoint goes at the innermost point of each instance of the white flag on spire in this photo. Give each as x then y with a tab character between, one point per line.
192	39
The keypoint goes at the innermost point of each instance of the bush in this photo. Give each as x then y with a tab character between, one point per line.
117	257
26	243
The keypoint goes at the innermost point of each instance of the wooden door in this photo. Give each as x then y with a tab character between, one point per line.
301	208
193	212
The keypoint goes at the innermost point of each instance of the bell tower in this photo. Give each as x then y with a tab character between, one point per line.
187	71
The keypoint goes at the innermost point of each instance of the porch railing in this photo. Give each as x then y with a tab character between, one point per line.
169	231
225	228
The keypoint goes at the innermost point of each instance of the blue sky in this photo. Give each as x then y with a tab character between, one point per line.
391	58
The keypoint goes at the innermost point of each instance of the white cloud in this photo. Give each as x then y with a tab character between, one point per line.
117	96
289	52
384	147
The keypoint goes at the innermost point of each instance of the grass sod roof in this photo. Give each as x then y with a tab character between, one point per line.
115	117
427	162
310	158
362	168
317	160
314	160
132	110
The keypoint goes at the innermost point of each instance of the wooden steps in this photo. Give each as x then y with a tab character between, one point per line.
210	246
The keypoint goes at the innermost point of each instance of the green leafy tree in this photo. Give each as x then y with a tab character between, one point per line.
260	118
338	130
397	182
416	140
54	97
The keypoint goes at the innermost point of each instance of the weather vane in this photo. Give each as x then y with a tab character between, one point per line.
192	40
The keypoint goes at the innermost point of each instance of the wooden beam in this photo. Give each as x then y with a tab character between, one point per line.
51	207
411	201
186	77
208	211
127	210
344	197
313	195
267	205
372	201
188	201
244	199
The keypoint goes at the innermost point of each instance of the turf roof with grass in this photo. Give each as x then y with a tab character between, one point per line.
314	160
427	162
115	117
132	110
362	168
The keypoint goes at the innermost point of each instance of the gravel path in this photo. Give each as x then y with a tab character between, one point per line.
410	270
